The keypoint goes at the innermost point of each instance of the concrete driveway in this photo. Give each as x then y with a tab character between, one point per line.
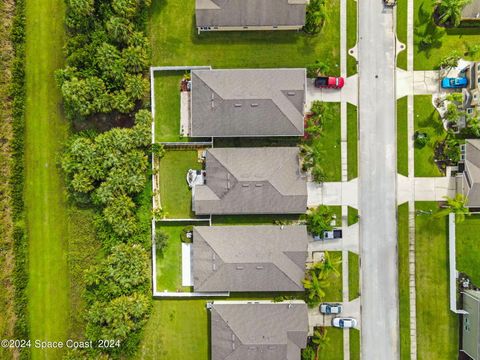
350	309
333	193
426	188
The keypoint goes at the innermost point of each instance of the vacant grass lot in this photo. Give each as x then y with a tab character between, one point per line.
46	208
427	120
353	276
437	326
176	330
175	41
468	251
402	136
351	35
352	141
403	282
445	41
334	348
402	32
176	196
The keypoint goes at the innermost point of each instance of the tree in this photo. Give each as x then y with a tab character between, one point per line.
453	113
330	264
319	67
472	50
450	61
136	58
450	11
473	125
315	287
320	340
319	220
120	214
308	353
312	156
136	86
119	28
315	16
456	205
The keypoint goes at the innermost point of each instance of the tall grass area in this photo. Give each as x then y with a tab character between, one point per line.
437	326
403	281
402	136
352	141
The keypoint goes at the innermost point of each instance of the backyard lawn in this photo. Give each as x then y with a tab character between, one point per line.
177	329
351	35
402	32
352	142
444	41
333	350
175	41
402	136
437	326
468	251
427	120
175	195
353	276
403	282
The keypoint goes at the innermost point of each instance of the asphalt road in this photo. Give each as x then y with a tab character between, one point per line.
377	182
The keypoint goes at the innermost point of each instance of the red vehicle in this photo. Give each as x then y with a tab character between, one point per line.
329	82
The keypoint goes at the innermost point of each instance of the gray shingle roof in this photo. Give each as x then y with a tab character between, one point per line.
472	10
253	331
249	258
248	102
228	13
471	177
251	181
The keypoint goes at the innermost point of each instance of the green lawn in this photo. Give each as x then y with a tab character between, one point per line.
352	141
427	120
330	144
354	344
177	329
333	350
402	136
468	251
175	41
167	106
437	326
253	219
334	291
353	276
402	32
351	35
175	195
352	216
403	282
446	40
46	207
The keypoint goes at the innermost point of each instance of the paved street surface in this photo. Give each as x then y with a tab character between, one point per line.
377	182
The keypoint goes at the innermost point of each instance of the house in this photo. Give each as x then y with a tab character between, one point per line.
468	177
247	102
240	15
470	344
258	330
249	258
471	12
264	180
471	94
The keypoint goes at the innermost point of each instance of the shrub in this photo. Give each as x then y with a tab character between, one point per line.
315	16
421	139
184	233
319	220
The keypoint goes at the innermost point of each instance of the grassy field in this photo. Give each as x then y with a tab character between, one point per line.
403	282
402	136
351	35
176	197
427	120
354	344
177	329
352	141
444	40
402	32
437	326
333	350
468	251
330	144
352	216
353	276
175	41
47	221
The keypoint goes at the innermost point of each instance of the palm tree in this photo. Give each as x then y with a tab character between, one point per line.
320	339
330	264
456	205
450	11
314	285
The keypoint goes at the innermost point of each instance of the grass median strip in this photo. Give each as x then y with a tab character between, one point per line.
352	141
402	136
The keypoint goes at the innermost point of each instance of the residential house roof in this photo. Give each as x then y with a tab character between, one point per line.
264	180
470	185
258	331
249	258
471	10
248	102
240	13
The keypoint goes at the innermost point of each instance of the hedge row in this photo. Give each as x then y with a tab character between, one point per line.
18	96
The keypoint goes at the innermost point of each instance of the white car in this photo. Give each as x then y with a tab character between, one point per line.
328	309
344	322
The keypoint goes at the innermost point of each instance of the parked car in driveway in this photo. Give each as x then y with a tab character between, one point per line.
390	2
344	322
327	308
329	235
454	83
329	82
